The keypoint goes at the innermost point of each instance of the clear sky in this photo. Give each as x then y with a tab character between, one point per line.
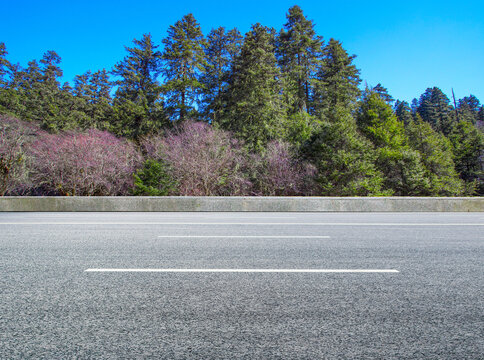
407	46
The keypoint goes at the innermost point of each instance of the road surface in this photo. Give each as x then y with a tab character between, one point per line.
242	285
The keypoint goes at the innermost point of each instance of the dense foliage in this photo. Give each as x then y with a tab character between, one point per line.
14	139
268	113
154	179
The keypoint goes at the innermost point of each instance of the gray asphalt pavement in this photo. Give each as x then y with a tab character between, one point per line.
51	308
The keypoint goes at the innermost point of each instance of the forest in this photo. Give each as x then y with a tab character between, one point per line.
269	113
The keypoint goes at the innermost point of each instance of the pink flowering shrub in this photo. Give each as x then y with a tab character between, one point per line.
278	173
196	158
92	163
203	161
14	136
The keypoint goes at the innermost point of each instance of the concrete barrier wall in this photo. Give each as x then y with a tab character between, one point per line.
205	203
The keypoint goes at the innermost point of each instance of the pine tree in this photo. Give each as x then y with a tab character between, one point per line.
221	48
183	63
154	179
255	110
70	113
378	122
480	115
32	89
434	107
468	144
92	97
101	100
436	154
4	65
403	112
137	103
337	81
383	92
344	159
468	109
12	99
40	93
81	85
6	94
298	51
414	106
402	166
82	94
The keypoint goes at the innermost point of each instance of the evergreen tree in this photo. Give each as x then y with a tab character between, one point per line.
82	92
468	109
402	166
81	85
344	159
137	103
468	144
414	106
403	112
221	49
383	92
51	71
4	65
480	115
154	179
92	97
71	114
101	100
31	86
183	63
298	128
12	94
255	110
337	80
378	122
436	154
299	50
41	97
434	107
6	94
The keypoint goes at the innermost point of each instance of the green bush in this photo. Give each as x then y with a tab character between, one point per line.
154	179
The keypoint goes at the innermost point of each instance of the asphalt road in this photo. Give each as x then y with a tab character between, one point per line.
52	308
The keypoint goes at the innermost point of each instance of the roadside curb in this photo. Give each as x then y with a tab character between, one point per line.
236	204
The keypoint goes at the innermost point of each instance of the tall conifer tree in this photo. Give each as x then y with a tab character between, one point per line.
137	104
403	112
468	142
183	63
101	100
299	51
4	64
255	111
480	116
221	48
434	107
402	166
6	94
468	109
436	154
383	92
345	159
92	92
47	91
39	89
337	81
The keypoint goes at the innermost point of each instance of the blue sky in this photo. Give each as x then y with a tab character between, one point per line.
407	46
